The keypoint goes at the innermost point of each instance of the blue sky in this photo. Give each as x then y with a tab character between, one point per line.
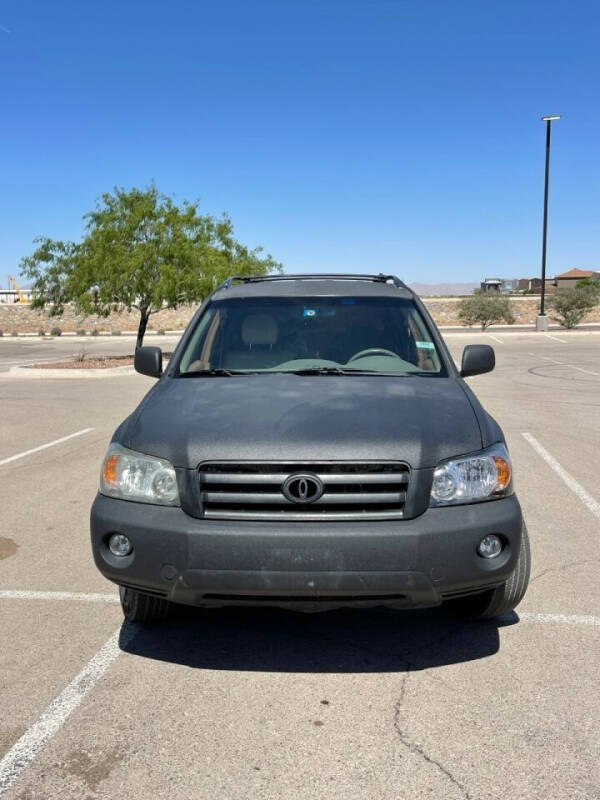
356	136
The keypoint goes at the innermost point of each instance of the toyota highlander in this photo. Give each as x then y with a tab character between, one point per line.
311	444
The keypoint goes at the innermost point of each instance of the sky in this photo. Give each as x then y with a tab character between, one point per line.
352	135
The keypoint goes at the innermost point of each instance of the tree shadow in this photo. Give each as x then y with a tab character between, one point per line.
352	641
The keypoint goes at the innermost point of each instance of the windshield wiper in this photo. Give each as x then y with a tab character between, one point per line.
220	372
318	371
342	371
215	372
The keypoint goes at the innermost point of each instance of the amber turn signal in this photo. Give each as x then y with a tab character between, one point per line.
503	473
109	470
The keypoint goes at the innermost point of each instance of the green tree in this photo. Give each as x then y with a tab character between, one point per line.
569	306
139	251
485	309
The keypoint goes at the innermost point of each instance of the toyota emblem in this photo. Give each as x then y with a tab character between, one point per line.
302	488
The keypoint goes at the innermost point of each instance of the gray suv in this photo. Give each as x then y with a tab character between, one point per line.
311	444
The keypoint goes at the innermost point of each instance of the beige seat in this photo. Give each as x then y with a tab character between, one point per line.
259	330
260	334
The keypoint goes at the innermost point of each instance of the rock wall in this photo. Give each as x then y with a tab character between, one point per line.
444	310
22	319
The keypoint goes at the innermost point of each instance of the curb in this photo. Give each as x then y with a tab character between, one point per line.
104	335
587	327
67	374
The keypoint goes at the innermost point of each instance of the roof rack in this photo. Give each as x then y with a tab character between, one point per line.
314	276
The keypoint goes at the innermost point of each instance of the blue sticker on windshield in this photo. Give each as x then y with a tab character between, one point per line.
425	345
309	312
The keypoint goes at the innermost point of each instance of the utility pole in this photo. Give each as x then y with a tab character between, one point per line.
541	323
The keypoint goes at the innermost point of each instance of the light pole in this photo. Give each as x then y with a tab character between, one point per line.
541	323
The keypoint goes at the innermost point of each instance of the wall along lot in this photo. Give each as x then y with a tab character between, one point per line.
23	319
232	704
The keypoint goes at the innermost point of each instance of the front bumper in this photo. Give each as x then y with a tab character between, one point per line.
411	563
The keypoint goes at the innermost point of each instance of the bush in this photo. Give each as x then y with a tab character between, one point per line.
81	332
591	285
115	333
41	332
95	332
56	332
160	332
14	333
569	306
485	309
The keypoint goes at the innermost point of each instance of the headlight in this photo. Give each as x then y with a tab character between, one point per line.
136	476
470	479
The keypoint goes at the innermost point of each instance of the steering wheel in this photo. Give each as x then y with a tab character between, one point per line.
372	351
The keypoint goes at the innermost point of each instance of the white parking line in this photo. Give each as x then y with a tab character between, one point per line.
556	339
24	751
25	363
88	597
97	597
560	619
33	740
495	338
587	371
585	497
44	446
570	366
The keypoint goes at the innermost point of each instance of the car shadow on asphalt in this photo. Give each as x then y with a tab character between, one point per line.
272	640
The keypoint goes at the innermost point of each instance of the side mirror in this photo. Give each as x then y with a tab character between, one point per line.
476	359
148	361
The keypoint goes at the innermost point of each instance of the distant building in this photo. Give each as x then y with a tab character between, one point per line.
502	285
530	284
565	280
491	285
12	296
569	279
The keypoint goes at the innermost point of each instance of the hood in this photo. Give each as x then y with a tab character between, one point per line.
304	418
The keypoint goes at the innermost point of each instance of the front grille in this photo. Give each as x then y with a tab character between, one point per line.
351	491
144	589
467	592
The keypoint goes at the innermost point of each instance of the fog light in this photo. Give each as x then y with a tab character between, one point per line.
490	546
119	545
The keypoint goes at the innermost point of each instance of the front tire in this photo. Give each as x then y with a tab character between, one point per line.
504	599
143	608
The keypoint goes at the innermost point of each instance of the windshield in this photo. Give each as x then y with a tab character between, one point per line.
311	334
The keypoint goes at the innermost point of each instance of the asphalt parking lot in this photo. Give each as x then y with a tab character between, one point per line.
232	704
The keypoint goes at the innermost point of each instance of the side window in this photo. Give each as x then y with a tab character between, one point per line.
199	344
428	359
